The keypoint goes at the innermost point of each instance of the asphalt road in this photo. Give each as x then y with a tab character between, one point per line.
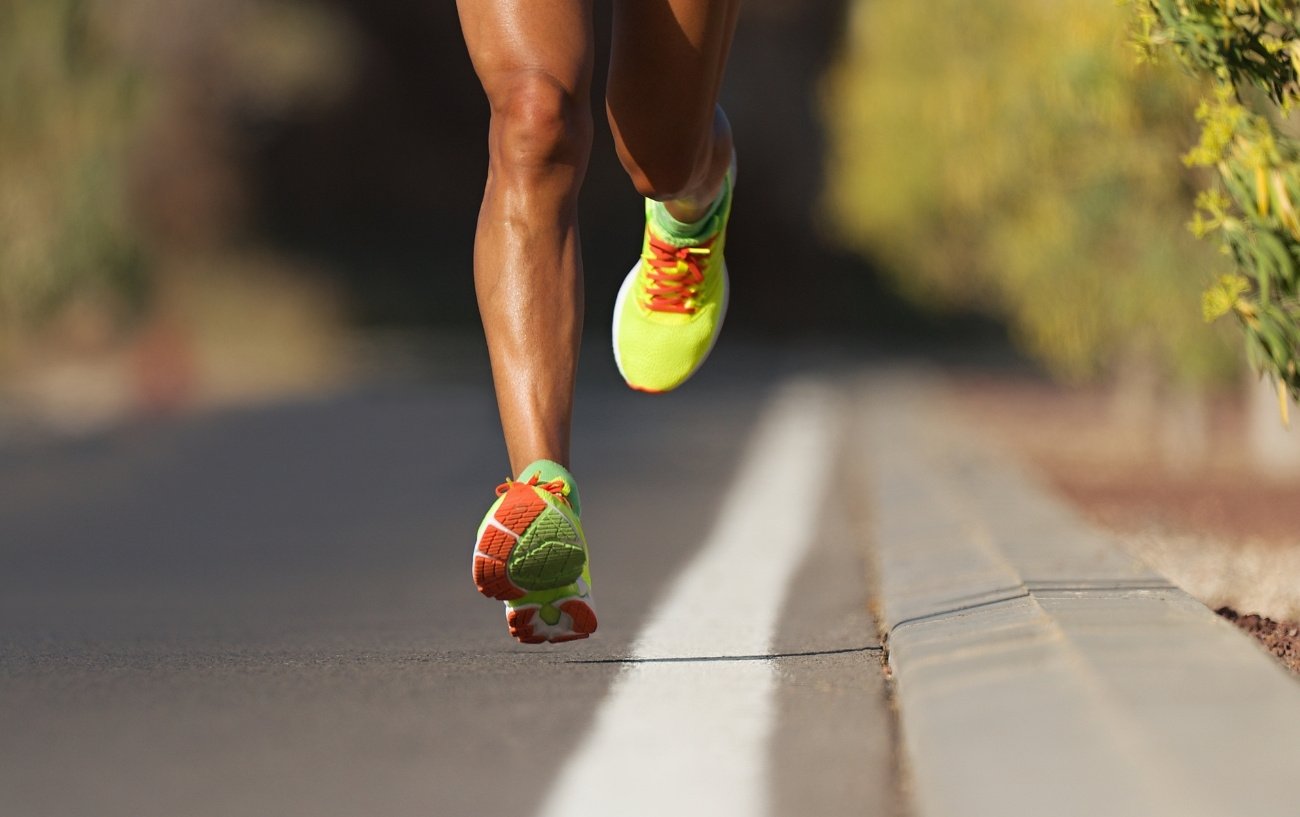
269	612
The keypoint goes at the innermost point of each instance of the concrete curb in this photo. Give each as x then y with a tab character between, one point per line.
1040	669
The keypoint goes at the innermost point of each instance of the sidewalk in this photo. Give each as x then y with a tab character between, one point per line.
1040	669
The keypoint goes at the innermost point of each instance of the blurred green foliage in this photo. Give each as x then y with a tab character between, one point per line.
121	135
1250	51
1009	156
68	105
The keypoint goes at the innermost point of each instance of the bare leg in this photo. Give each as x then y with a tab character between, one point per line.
665	72
534	60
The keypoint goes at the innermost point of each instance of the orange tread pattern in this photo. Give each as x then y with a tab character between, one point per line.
583	617
520	508
521	625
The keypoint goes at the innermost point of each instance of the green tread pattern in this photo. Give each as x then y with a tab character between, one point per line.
549	554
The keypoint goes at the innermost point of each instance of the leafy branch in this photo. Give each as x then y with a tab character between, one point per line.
1251	51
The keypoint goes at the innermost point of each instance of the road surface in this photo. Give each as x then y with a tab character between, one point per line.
269	612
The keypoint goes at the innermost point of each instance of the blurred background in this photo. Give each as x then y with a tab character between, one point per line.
211	202
214	200
227	193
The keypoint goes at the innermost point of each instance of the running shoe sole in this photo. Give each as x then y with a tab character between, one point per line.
526	545
577	620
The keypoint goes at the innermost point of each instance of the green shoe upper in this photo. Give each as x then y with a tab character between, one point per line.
548	471
671	305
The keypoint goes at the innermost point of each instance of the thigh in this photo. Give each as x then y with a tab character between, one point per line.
550	39
667	59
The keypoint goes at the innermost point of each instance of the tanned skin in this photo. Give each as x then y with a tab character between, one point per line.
534	58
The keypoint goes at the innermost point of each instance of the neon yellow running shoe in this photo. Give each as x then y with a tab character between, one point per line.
671	305
530	553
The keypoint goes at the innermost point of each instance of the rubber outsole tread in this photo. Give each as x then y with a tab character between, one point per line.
533	544
551	564
521	507
544	551
549	555
490	574
516	512
521	625
583	616
582	623
492	581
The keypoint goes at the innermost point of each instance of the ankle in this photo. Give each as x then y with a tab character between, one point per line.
681	223
688	218
692	210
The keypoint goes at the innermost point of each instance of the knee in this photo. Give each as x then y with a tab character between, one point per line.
538	125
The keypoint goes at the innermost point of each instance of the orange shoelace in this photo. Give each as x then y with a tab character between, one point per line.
558	487
674	274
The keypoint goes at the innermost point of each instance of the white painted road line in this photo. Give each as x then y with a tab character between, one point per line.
690	737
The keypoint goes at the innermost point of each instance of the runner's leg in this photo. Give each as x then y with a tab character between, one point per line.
534	59
666	68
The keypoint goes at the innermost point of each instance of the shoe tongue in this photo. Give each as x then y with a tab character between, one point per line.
547	471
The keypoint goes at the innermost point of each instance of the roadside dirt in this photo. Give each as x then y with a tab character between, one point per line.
1195	509
1282	638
